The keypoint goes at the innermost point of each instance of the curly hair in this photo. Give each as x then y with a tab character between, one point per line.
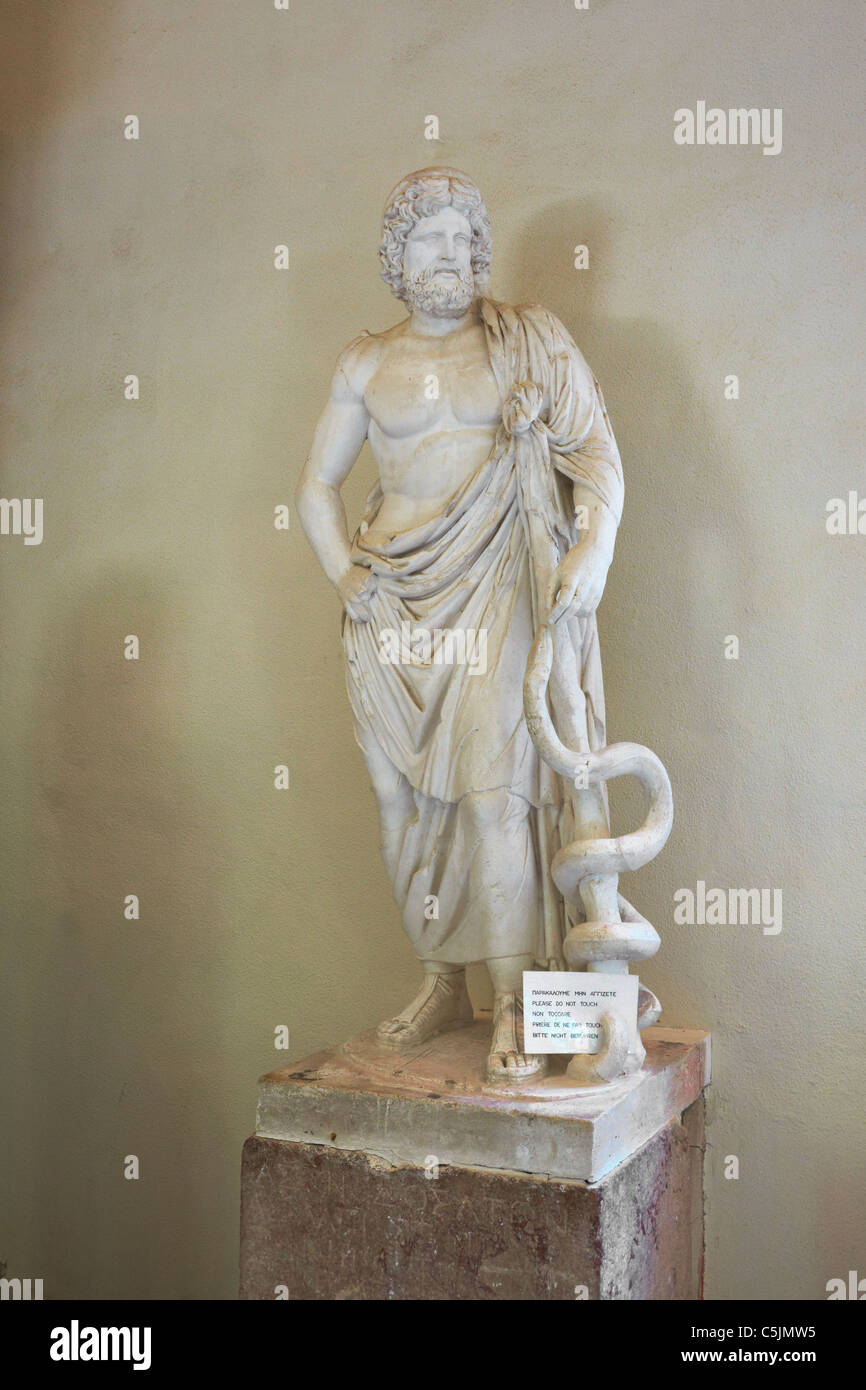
422	194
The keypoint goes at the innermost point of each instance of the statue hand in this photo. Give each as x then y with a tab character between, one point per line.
356	586
578	582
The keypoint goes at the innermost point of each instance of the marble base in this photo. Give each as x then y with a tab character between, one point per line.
376	1176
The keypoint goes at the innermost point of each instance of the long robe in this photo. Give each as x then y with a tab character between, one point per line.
470	870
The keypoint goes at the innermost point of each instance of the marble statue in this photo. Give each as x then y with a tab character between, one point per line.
469	627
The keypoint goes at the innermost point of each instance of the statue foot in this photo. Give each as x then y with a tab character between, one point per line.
441	1003
648	1008
506	1061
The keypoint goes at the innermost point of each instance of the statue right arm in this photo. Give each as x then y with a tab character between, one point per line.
337	442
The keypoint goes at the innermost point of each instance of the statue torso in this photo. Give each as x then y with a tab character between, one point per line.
429	436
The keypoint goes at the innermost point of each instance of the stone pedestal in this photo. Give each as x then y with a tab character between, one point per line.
373	1175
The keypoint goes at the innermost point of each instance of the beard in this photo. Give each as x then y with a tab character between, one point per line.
445	298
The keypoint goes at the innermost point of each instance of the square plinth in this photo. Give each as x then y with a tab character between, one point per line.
433	1103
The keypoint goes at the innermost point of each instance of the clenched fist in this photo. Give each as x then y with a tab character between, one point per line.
356	586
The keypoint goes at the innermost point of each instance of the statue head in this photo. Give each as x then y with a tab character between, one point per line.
436	246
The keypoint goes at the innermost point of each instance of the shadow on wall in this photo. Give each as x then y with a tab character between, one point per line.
671	465
677	586
123	1004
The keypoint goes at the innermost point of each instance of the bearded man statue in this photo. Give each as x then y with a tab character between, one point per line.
499	495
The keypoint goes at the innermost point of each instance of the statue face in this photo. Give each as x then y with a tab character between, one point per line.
442	242
437	264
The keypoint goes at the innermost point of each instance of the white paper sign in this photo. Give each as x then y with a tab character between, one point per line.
562	1009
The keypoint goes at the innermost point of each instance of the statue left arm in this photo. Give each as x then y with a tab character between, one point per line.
583	448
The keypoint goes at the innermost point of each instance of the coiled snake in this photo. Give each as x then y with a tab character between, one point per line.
594	863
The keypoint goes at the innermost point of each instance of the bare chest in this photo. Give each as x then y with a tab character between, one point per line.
434	386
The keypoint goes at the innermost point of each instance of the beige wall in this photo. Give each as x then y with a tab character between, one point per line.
260	127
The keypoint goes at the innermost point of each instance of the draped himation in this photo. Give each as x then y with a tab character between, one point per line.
469	864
